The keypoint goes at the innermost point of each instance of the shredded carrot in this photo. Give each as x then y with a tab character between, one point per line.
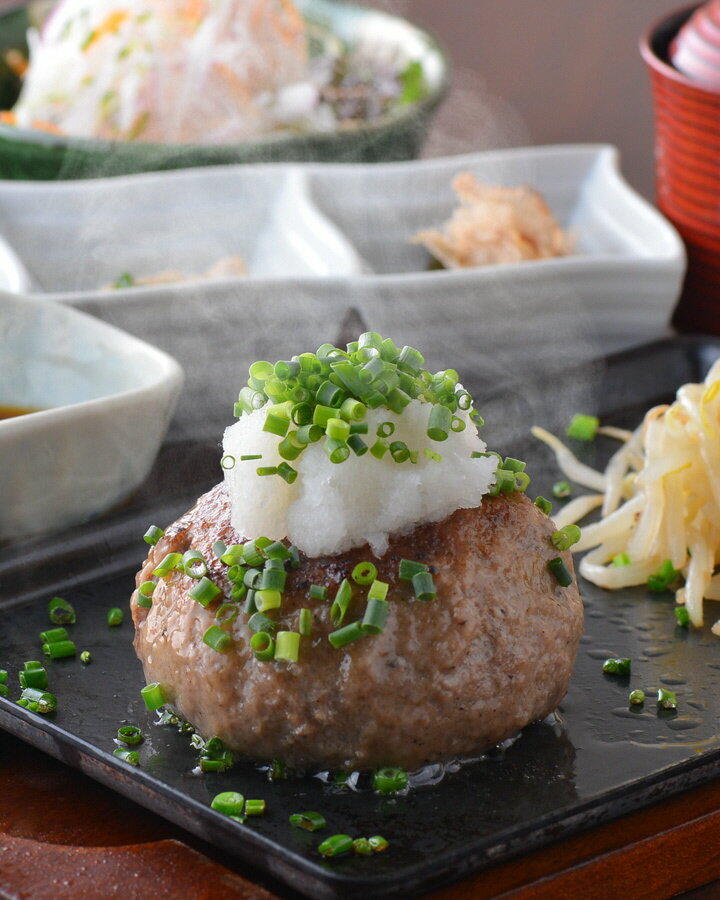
17	62
50	127
112	22
195	10
240	88
7	117
287	20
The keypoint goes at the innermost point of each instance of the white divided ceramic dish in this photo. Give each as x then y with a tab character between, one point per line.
330	243
105	400
13	275
80	236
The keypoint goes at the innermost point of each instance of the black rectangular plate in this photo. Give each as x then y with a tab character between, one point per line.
598	760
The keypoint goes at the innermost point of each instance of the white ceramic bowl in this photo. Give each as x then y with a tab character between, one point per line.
105	400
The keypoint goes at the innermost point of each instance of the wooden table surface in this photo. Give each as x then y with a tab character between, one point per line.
526	72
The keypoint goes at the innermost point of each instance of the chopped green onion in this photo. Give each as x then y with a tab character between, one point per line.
432	455
254	807
583	427
439	422
562	489
666	699
291	446
378	843
46	702
276	424
337	450
251	578
153	535
379	448
272	580
85	657
153	695
262	645
375	617
621	559
260	622
408	568
61	612
682	616
378	590
505	481
364	573
125	280
543	505
249	607
268	599
338	429
168	564
308	821
115	616
336	845
565	537
130	734
385	429
129	756
227	462
318	592
252	554
59	649
231	803
4	690
362	847
663	578
277	550
217	639
226	613
54	634
353	410
617	666
204	592
346	634
357	445
232	555
305	621
309	434
194	564
146	589
399	451
424	586
263	471
560	571
341	602
390	780
287	473
636	697
287	645
4	676
33	675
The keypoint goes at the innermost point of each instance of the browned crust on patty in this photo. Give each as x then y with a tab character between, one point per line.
447	678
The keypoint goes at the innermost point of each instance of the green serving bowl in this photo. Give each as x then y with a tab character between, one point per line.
28	153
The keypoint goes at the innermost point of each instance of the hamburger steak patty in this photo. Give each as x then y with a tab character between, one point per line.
447	678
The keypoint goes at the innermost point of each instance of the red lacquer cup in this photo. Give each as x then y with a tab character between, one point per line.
687	171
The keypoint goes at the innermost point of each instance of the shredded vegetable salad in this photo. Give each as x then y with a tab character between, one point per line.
210	71
659	498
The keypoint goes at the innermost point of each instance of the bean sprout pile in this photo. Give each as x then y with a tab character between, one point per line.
659	500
